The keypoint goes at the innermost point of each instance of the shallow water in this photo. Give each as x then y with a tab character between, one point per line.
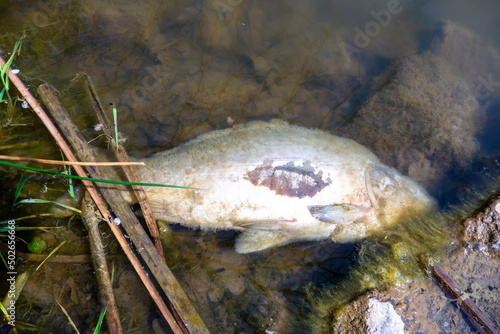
177	69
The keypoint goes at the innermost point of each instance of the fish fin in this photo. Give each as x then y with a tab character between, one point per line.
265	224
257	240
338	213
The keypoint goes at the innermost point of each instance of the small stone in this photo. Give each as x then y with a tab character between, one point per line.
487	219
236	286
383	319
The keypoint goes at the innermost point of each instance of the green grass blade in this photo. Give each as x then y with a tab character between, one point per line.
112	273
20	187
5	70
27	228
37	216
44	201
101	319
91	179
4	263
11	58
4	311
3	90
71	190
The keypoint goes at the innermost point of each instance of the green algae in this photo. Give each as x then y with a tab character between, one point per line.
390	257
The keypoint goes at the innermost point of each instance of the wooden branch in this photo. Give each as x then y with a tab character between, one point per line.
95	196
91	223
129	171
131	225
478	318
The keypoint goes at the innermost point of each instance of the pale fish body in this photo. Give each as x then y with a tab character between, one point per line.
278	183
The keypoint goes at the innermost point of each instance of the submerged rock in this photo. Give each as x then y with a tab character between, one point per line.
422	304
422	121
473	58
221	24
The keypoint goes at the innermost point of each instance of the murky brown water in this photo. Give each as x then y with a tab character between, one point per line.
423	95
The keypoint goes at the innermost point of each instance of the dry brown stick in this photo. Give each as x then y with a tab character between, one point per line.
95	196
91	223
129	171
129	222
478	318
72	163
71	132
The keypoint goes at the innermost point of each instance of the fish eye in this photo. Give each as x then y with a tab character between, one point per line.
383	179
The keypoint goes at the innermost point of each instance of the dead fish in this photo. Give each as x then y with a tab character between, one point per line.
278	183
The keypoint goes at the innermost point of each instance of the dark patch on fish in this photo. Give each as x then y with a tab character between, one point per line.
288	180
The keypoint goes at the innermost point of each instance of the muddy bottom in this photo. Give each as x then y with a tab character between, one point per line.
424	306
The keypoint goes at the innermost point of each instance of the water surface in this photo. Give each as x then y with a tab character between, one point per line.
380	72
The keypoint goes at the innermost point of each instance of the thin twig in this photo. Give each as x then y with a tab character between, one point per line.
67	316
155	263
106	294
72	163
122	155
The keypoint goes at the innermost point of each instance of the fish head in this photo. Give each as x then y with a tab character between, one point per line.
394	196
